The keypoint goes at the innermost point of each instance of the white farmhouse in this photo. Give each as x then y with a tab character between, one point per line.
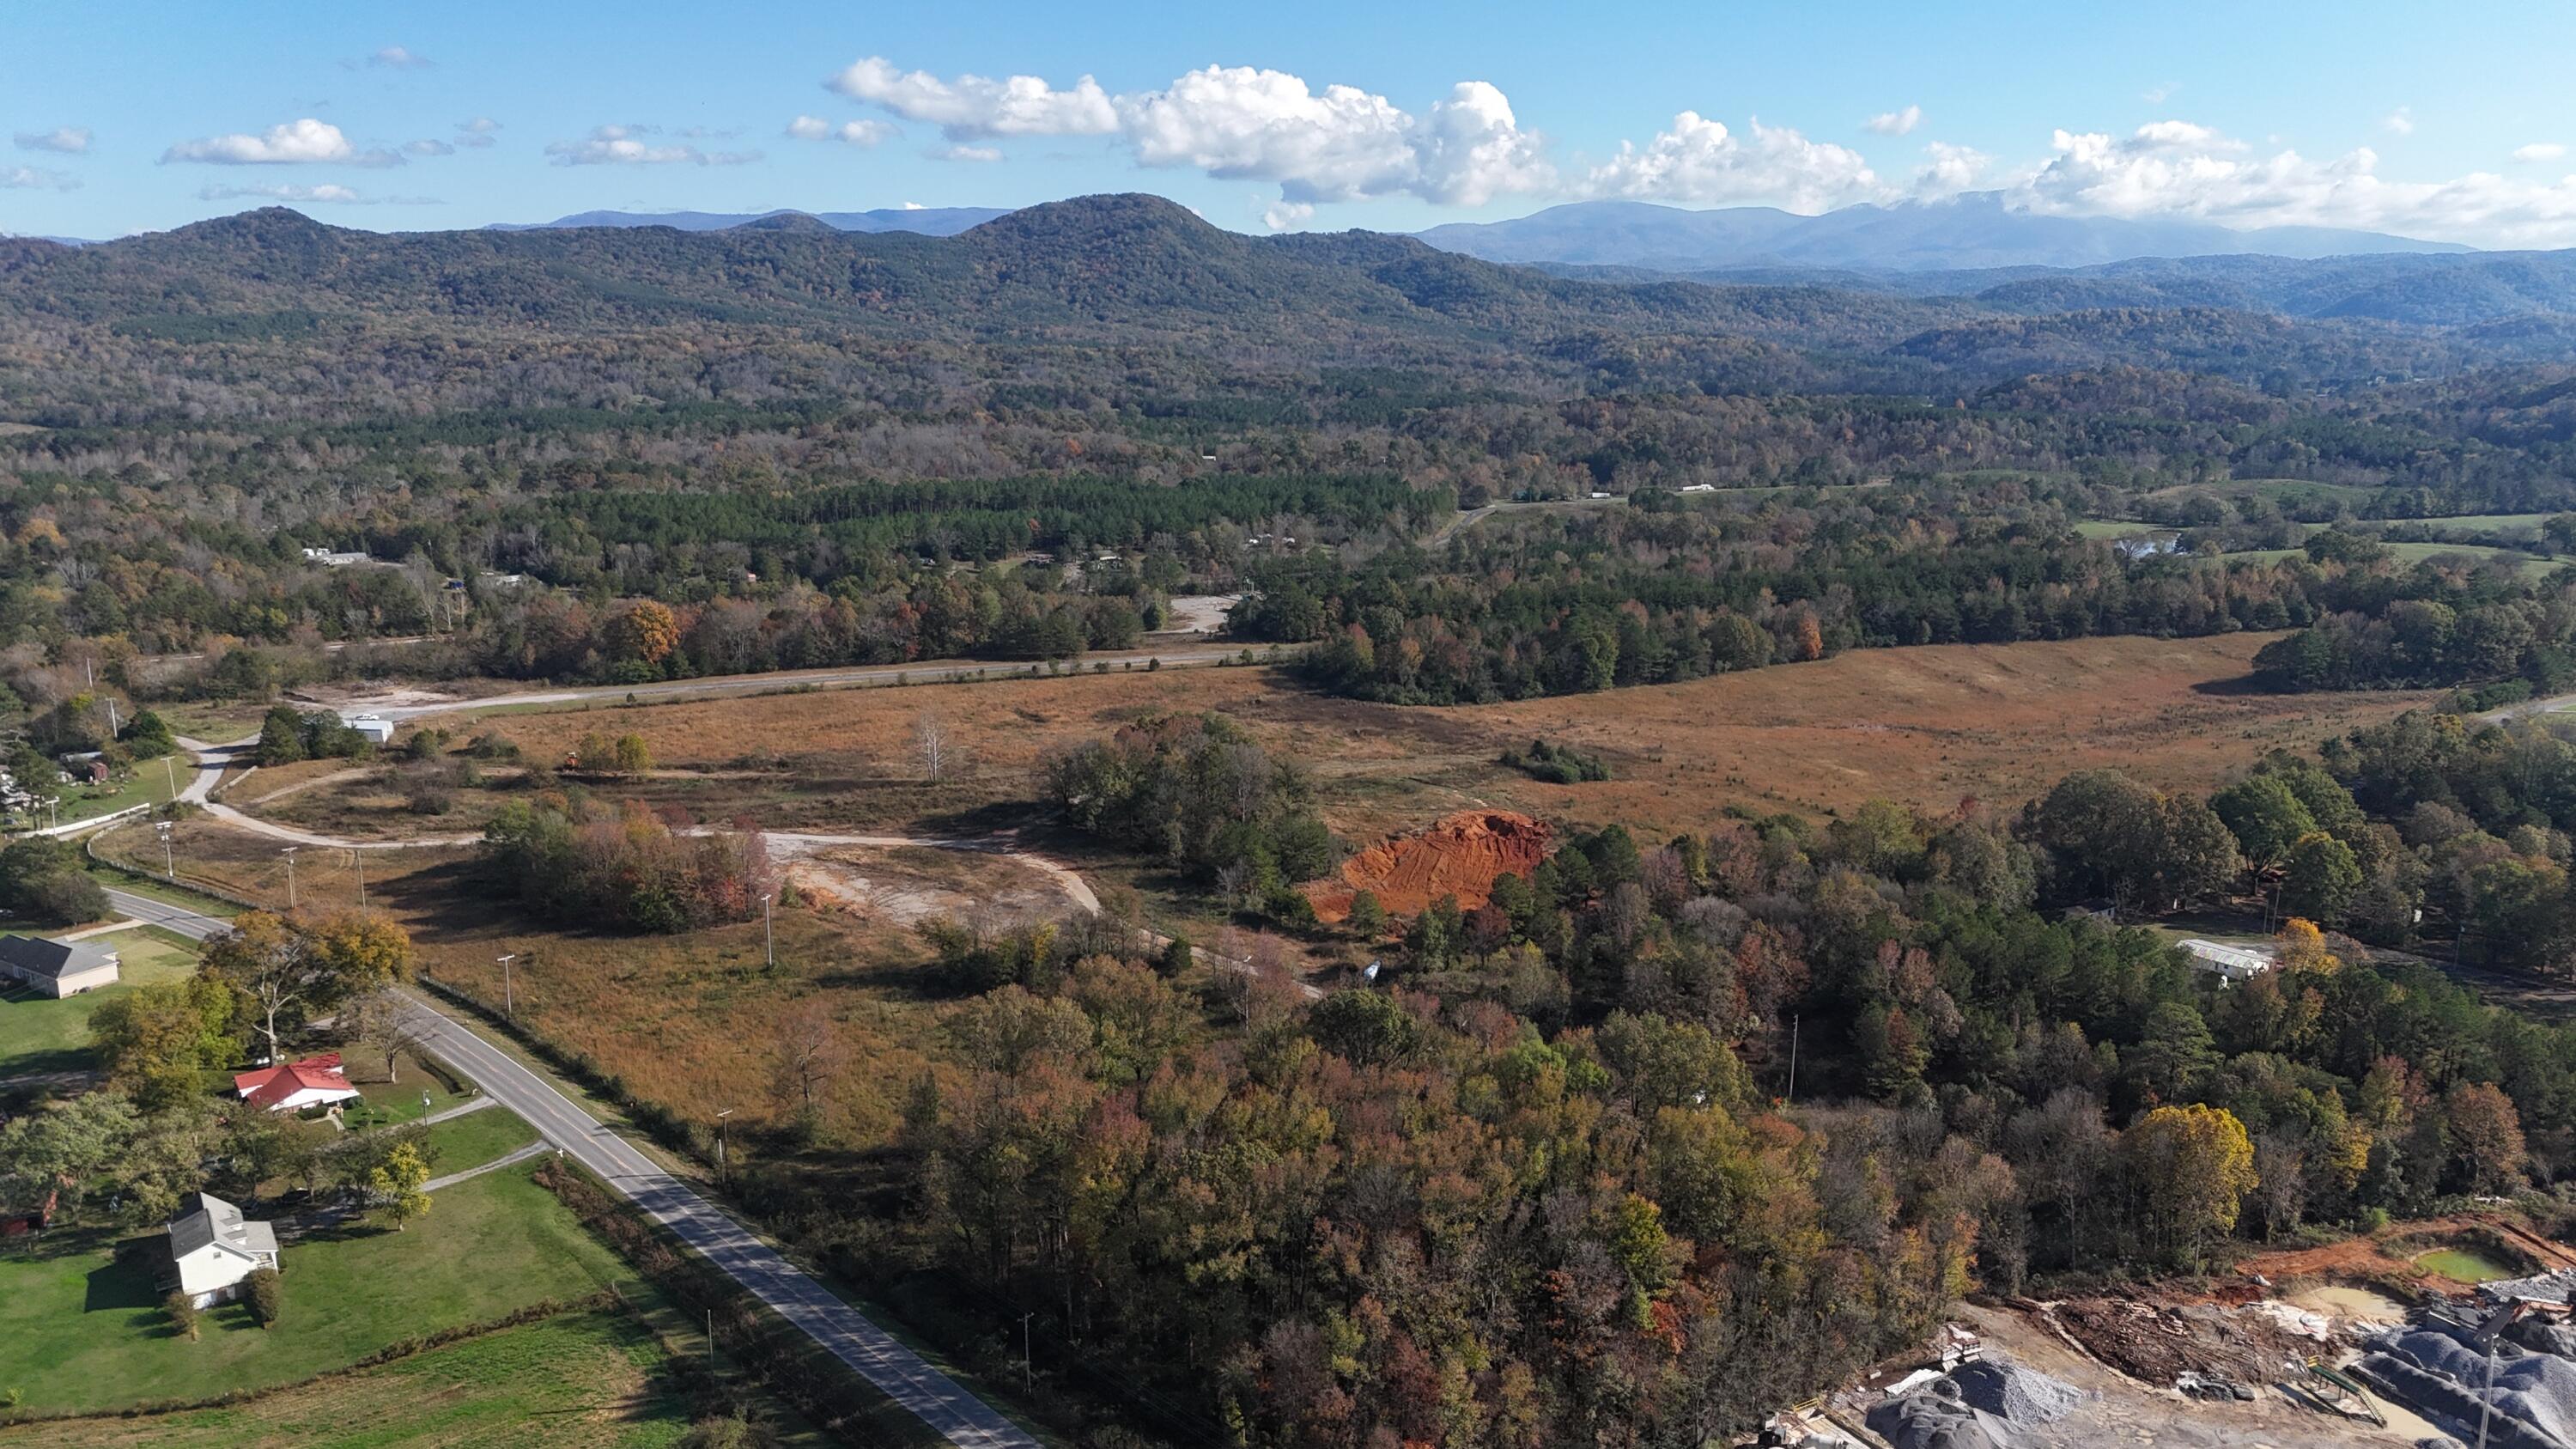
213	1248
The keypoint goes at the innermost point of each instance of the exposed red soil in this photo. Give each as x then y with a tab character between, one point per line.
1461	855
2388	1259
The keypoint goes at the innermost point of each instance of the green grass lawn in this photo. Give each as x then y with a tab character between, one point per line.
149	784
390	1104
81	1326
39	1034
2484	522
2115	528
2404	553
577	1379
477	1138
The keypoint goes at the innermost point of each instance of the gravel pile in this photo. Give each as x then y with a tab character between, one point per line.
2440	1375
1935	1419
2019	1396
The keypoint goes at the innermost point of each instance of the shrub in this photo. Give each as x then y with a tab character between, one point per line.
181	1310
1557	764
261	1292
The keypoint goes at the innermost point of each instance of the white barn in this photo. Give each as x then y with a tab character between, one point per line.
213	1248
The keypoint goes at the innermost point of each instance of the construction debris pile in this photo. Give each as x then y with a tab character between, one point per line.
1990	1404
2215	1344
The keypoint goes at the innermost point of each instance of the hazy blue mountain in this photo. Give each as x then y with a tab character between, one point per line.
927	220
1975	231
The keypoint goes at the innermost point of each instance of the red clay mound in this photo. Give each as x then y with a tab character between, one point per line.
1460	856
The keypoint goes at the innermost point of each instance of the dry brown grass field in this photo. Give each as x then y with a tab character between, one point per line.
691	1022
1926	726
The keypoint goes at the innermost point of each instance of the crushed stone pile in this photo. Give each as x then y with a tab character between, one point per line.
1993	1403
2020	1396
2558	1287
2542	1336
1460	855
2443	1377
1933	1419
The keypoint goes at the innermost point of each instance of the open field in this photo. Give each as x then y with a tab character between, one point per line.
692	1022
582	1379
81	1326
39	1034
1924	725
2410	553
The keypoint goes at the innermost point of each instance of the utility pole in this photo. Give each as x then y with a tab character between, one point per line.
358	860
169	862
1028	1371
170	771
509	997
1793	1059
768	934
723	1170
289	853
112	726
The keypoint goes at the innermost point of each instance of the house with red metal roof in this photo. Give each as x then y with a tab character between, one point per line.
312	1082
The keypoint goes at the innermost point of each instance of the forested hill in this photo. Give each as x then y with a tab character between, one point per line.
273	290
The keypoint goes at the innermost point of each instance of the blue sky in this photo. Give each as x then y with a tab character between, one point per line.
2393	116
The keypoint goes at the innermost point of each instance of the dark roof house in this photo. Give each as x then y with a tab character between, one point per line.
61	968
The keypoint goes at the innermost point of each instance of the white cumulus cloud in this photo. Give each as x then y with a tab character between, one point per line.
395	57
627	146
480	132
2153	173
1699	161
865	135
974	107
291	143
2539	151
62	140
2401	122
979	155
1337	143
1948	170
1896	123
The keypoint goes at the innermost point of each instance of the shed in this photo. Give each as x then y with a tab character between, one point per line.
377	729
58	968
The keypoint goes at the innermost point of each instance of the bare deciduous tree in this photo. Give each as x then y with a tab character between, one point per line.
930	741
810	1050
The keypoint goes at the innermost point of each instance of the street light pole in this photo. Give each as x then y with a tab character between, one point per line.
169	862
769	935
289	853
170	771
509	997
722	1169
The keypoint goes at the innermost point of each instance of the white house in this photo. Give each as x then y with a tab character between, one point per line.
1699	488
2236	963
312	1082
57	968
378	730
334	559
214	1248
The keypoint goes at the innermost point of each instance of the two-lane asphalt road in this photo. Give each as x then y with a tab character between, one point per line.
897	1371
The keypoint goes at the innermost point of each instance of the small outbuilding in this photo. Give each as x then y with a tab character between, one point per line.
377	729
57	968
213	1248
2235	963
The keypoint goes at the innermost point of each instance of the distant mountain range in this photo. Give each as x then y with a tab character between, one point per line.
927	220
1965	232
1118	271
